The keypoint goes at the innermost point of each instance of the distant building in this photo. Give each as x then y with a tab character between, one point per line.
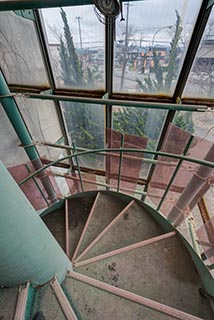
205	57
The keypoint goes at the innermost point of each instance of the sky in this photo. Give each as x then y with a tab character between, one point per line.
146	17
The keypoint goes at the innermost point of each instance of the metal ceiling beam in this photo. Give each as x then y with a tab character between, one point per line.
38	4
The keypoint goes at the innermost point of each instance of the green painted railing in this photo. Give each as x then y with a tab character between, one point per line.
120	151
120	154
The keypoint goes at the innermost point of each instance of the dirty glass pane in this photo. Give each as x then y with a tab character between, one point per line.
201	124
10	152
140	122
42	121
85	126
76	46
151	44
20	55
201	79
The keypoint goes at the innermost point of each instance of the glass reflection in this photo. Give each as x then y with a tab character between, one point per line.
201	80
151	44
76	45
20	55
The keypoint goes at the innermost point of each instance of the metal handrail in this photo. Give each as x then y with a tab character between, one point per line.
145	151
120	151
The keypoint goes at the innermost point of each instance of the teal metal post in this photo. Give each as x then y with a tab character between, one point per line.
10	107
29	252
120	162
195	184
78	166
188	145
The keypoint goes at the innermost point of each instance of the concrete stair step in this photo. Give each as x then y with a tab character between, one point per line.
162	271
91	303
47	303
135	225
8	299
104	211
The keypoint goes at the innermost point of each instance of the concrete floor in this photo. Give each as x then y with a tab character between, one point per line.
46	302
8	297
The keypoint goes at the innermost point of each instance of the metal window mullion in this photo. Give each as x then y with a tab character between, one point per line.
195	40
46	58
186	68
109	58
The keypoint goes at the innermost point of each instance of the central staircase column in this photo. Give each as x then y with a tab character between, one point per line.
29	252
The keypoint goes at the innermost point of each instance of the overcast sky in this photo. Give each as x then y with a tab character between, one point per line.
147	17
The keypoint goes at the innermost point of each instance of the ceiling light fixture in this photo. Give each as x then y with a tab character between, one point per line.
108	9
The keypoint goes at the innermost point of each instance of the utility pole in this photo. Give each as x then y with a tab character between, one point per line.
80	34
126	46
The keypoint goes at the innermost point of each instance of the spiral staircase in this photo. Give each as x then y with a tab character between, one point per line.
128	262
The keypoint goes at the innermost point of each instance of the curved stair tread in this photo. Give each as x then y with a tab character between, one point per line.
78	211
8	299
121	233
56	224
162	271
106	209
46	301
91	303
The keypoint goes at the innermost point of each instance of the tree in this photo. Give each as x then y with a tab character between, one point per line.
161	82
83	121
72	73
201	79
129	44
149	122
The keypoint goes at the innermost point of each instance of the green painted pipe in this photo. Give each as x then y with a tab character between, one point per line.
11	109
29	252
115	102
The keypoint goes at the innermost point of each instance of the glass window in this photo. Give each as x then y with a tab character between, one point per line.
20	55
201	124
10	152
76	45
145	123
42	121
85	126
201	79
151	44
139	122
